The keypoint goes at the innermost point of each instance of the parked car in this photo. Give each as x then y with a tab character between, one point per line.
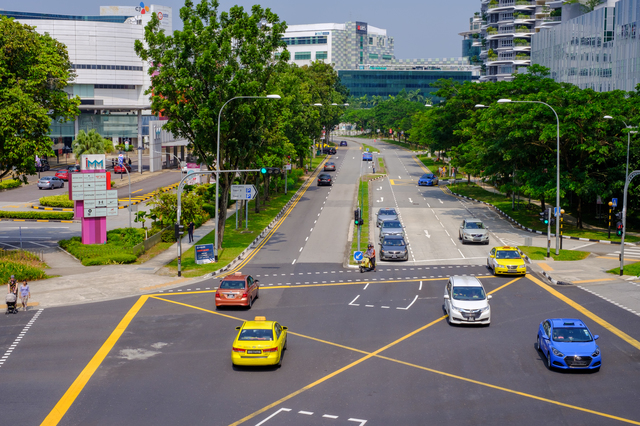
367	156
324	179
465	301
394	247
391	227
330	167
50	182
385	213
329	150
473	231
121	169
567	343
343	143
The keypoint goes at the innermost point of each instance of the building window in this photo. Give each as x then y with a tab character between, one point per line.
114	86
300	56
370	40
321	55
373	56
292	41
387	57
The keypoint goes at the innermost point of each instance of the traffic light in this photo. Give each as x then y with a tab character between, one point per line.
357	215
263	170
619	215
619	229
178	230
545	217
270	170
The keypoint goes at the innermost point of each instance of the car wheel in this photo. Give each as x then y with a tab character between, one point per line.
250	302
361	269
538	347
40	188
595	370
486	243
280	361
549	362
493	270
257	293
62	186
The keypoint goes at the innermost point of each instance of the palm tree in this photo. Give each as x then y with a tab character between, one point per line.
91	143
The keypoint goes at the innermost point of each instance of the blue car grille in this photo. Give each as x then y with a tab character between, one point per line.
577	361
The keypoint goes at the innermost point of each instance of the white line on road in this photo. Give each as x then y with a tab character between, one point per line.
447	233
294	261
420	286
368	306
300	249
441	224
454	243
329	416
365	287
410	200
428	205
441	202
461	254
308	413
311	230
306	239
414	301
426	233
273	415
582	246
352	304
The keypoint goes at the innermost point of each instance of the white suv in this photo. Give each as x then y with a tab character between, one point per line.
466	302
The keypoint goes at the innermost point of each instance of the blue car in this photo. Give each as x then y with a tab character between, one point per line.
428	179
568	344
367	156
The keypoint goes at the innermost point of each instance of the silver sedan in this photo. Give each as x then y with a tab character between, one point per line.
473	231
386	213
50	182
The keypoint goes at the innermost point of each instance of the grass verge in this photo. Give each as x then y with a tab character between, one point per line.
371	149
528	215
236	241
152	252
381	168
363	199
632	269
540	253
404	145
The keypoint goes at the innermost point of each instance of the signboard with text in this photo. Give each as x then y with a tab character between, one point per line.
204	254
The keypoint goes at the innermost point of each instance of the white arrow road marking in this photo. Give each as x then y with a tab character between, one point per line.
426	233
381	199
275	414
355	304
420	286
410	200
441	202
404	309
362	422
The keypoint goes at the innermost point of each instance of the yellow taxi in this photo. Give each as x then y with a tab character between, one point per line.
259	342
506	261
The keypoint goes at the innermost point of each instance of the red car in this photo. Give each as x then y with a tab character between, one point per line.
121	169
64	173
237	290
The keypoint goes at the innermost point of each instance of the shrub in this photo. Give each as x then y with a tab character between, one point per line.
209	208
110	260
61	200
10	183
20	270
37	215
125	237
168	236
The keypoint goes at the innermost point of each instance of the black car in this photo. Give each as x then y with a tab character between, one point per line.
329	150
343	143
44	165
394	247
324	179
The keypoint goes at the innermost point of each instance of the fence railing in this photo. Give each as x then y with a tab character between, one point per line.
22	255
149	242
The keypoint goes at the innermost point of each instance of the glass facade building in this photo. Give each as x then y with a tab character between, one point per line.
599	50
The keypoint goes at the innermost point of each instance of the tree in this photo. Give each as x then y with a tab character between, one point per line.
34	70
91	143
194	72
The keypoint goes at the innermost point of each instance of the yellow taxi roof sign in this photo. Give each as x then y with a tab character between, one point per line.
260	318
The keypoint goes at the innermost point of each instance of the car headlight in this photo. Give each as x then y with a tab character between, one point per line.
557	353
485	309
453	308
596	353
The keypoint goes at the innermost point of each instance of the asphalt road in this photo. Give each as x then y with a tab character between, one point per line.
372	349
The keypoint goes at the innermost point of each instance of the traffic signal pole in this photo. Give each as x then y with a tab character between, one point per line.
549	232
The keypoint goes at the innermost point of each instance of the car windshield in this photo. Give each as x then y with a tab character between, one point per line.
330	164
255	334
45	179
428	176
393	242
391	224
387	213
474	225
325	177
573	334
232	285
507	254
468	293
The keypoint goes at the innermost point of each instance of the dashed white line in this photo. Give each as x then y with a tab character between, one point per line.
353	304
300	249
329	416
308	413
365	287
294	261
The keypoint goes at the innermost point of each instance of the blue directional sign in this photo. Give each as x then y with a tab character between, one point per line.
243	192
358	256
555	211
614	202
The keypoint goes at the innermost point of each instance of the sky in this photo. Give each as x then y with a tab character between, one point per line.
420	28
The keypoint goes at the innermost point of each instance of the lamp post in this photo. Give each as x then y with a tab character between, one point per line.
312	154
503	101
215	247
624	202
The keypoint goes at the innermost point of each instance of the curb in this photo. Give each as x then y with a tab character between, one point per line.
252	246
56	209
554	281
150	195
39	220
566	237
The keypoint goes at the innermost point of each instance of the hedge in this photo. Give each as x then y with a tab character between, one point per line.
117	250
10	183
36	215
61	200
20	270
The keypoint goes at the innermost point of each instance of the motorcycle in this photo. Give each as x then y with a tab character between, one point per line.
366	265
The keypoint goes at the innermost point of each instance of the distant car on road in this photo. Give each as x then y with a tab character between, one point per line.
506	260
367	156
567	343
386	213
343	143
324	179
330	167
50	182
237	290
394	247
428	179
44	165
64	173
329	150
259	342
465	301
473	231
121	169
391	227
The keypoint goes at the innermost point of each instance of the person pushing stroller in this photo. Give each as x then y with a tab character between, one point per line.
12	296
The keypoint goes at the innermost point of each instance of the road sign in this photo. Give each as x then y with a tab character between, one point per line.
204	254
287	166
243	192
120	159
615	202
358	256
555	211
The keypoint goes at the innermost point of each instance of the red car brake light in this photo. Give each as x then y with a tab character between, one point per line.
217	295
245	294
238	350
270	350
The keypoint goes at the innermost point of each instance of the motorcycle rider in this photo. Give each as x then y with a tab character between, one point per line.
371	254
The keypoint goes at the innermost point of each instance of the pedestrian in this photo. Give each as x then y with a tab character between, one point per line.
190	229
113	162
129	161
444	171
12	285
25	294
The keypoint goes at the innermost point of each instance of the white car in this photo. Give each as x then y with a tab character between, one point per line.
466	302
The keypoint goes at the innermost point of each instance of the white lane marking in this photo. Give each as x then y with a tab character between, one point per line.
311	230
410	200
436	216
426	233
369	306
448	235
399	177
352	304
575	248
441	202
420	286
441	224
381	199
275	414
300	249
461	254
308	413
294	261
414	301
306	239
454	243
329	416
315	221
365	287
384	307
428	205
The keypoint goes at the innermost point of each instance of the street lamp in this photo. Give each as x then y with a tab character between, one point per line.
428	105
624	202
481	106
505	101
215	247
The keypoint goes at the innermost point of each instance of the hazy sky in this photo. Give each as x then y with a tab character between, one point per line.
421	28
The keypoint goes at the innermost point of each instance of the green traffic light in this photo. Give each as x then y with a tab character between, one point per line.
263	170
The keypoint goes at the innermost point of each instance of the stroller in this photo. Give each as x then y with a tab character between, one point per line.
11	301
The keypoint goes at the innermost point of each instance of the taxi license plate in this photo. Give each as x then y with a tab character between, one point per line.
253	351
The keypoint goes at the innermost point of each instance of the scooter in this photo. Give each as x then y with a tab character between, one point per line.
366	265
